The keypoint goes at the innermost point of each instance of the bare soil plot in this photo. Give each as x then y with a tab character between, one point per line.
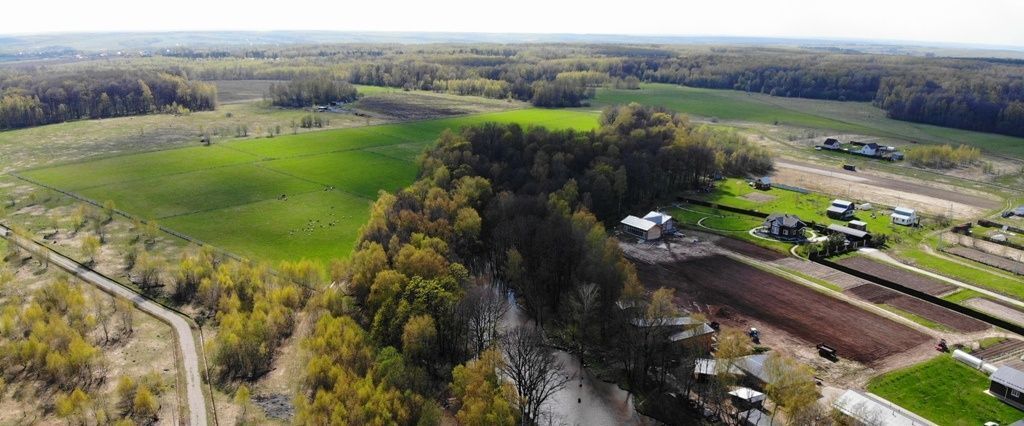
806	314
759	197
423	105
747	249
897	275
996	309
1001	349
233	91
891	190
817	270
878	294
988	259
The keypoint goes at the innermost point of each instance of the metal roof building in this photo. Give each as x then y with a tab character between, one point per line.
874	410
641	228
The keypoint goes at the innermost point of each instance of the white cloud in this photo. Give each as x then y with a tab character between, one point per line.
979	22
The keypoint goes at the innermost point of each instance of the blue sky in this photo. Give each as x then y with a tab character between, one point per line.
989	22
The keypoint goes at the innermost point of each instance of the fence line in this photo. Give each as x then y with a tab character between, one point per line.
129	216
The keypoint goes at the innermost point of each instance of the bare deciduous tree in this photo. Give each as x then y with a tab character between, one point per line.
483	306
583	305
533	369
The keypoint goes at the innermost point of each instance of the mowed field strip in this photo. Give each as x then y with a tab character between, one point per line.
282	198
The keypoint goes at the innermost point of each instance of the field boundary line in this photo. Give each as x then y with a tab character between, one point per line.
283	173
127	215
230	206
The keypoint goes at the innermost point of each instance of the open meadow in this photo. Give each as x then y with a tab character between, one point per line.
286	197
843	117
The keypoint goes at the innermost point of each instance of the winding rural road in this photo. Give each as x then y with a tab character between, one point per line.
186	340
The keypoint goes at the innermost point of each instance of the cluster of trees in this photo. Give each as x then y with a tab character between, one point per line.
487	88
306	92
943	156
254	308
137	403
48	95
310	121
48	338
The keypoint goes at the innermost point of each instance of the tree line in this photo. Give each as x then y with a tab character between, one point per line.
44	95
304	92
975	94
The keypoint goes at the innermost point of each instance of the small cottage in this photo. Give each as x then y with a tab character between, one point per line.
840	209
870	149
832	144
763	183
904	216
785	226
640	228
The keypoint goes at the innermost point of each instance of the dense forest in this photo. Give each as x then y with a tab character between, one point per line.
44	95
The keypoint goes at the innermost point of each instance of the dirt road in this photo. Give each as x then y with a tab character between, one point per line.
936	199
185	338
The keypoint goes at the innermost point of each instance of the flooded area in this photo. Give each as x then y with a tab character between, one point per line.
585	400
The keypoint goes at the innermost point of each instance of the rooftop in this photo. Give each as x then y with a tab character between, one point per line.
873	409
690	333
638	223
747	394
856	233
1009	377
788	220
664	322
657	217
755	417
754	366
709	367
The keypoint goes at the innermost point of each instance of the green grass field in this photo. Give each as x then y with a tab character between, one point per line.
809	207
945	392
733	225
846	117
230	194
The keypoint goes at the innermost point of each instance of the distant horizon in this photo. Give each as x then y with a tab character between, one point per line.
994	23
519	37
